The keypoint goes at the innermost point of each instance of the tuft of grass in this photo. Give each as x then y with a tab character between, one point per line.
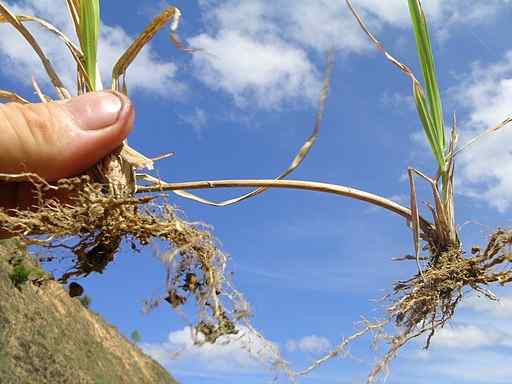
19	275
136	337
85	300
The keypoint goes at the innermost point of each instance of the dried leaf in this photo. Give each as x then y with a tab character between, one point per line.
297	160
54	78
73	49
415	219
133	50
11	96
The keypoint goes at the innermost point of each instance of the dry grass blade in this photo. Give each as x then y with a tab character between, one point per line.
136	159
488	131
39	92
54	78
415	219
82	79
444	228
73	7
450	169
76	53
131	53
299	157
11	96
378	45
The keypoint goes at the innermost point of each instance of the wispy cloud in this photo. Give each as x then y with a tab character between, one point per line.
485	168
196	119
148	73
309	344
496	310
236	354
467	337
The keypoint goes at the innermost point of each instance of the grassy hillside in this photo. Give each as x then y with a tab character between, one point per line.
48	337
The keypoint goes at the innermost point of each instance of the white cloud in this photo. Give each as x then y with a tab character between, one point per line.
497	310
441	13
241	353
485	167
268	72
196	119
265	52
466	337
309	344
476	349
398	101
147	73
481	325
323	24
486	367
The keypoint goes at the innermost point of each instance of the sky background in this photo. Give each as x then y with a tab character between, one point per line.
311	265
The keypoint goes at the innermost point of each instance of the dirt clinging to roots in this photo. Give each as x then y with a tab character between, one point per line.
425	303
92	222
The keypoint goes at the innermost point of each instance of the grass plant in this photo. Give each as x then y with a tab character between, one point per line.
117	202
88	36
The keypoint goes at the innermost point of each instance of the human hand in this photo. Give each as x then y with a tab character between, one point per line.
58	139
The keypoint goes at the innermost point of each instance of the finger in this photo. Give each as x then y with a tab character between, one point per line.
62	139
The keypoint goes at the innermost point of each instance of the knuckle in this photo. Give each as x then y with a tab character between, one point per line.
26	130
35	122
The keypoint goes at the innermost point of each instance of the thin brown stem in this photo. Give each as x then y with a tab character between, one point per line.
290	184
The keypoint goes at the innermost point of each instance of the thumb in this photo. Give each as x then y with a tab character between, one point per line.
64	138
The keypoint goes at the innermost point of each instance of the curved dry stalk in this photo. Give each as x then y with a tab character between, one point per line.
50	28
170	13
37	89
134	158
299	157
403	67
11	96
73	6
340	190
54	78
481	135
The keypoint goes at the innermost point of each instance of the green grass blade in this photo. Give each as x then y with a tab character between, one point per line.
433	96
89	34
428	123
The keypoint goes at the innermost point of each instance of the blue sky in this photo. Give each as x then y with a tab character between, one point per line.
310	264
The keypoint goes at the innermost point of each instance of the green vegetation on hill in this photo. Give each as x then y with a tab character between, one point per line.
47	337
